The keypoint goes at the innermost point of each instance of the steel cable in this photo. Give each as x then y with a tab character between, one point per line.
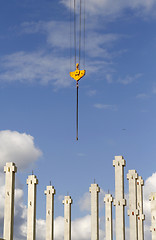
80	36
75	29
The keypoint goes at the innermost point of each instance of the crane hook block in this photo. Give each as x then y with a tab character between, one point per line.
77	74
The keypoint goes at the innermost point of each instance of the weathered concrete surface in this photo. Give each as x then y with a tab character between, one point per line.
10	169
133	211
67	217
119	201
50	191
141	216
32	181
108	217
94	190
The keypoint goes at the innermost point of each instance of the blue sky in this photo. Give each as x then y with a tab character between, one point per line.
38	98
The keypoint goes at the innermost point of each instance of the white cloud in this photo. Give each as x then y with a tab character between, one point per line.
84	202
60	198
81	154
150	186
154	89
19	148
51	65
144	110
20	212
91	93
44	68
59	228
115	8
57	37
109	78
81	228
100	44
105	106
129	79
40	229
37	67
57	33
20	216
142	96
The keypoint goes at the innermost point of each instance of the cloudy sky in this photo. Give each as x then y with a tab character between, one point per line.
117	111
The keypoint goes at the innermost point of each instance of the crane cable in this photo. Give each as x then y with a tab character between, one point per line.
80	35
84	33
70	33
75	29
79	52
77	84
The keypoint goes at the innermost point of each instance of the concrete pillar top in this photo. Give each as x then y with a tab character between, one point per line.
140	181
10	167
119	161
132	174
94	187
67	200
32	179
108	198
50	190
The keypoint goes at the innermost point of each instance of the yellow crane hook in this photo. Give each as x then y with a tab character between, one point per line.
77	74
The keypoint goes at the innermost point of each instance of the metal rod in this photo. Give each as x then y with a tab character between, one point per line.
77	87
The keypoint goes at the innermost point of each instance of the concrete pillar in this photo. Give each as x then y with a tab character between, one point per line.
49	212
67	217
153	215
119	201
108	217
32	181
94	190
133	211
141	216
10	169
